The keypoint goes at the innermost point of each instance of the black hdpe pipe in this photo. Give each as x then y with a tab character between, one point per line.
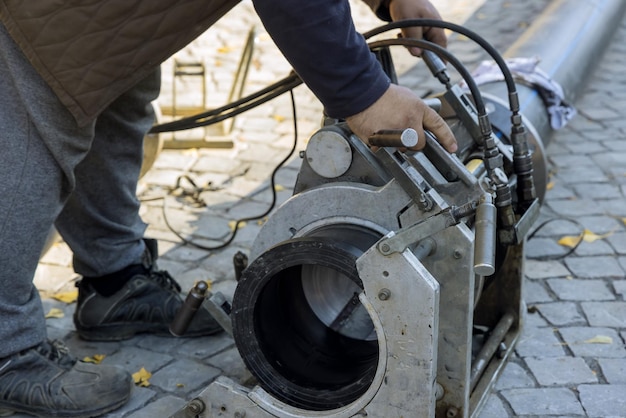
569	38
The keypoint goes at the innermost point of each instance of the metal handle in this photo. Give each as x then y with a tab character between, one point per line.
398	138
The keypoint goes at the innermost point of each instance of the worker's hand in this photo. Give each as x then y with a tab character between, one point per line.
400	108
418	9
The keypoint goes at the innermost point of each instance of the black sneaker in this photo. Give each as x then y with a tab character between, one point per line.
46	381
147	303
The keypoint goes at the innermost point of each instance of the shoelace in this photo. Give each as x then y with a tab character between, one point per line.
164	279
56	351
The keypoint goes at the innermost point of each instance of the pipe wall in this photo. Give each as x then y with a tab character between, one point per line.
569	37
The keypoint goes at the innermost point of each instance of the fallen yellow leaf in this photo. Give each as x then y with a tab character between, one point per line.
55	313
279	188
66	297
550	185
587	236
570	241
224	49
95	359
278	118
141	378
600	339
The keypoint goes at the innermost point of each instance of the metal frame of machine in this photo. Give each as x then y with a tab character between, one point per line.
390	283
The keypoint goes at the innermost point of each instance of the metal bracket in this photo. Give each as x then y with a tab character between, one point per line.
408	236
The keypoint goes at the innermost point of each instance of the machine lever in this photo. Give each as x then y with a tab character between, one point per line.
398	138
408	236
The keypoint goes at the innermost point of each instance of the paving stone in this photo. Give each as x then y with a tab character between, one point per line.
580	341
560	371
600	113
534	320
535	269
66	322
614	207
218	164
184	376
58	254
514	376
206	346
211	227
610	159
231	364
577	289
615	145
160	344
605	314
543	401
603	400
570	160
594	267
493	408
599	247
582	174
555	225
139	398
539	342
133	359
614	370
601	224
82	348
535	292
170	159
185	253
575	208
618	242
560	190
561	313
620	287
162	407
540	248
50	279
598	190
175	268
165	177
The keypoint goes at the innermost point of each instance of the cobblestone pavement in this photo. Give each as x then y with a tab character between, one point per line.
571	358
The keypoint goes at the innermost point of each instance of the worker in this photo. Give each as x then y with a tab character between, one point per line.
76	86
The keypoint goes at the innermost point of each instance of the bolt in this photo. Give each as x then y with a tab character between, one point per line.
196	406
384	294
385	248
452	412
457	254
240	414
439	391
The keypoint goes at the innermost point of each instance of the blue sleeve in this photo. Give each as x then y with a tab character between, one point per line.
319	40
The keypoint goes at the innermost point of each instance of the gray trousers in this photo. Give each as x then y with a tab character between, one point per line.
82	179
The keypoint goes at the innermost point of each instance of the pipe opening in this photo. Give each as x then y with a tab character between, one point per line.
298	322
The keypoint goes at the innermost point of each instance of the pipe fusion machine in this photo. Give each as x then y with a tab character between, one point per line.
390	283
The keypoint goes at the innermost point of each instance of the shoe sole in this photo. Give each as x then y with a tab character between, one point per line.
8	410
120	332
